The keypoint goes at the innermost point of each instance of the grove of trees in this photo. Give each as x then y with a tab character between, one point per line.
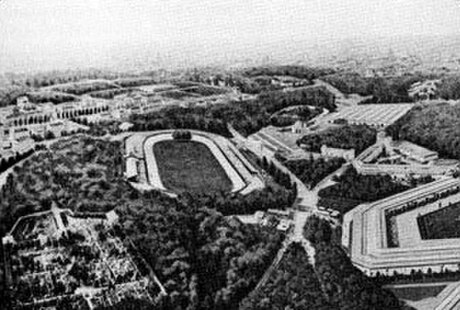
353	188
344	285
292	285
382	89
204	260
357	137
247	116
311	171
301	72
434	126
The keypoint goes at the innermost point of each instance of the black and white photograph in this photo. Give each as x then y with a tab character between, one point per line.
229	155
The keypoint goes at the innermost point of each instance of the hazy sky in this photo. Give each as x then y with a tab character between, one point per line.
59	33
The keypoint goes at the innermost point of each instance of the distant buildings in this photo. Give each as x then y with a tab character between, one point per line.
20	123
288	81
424	90
26	114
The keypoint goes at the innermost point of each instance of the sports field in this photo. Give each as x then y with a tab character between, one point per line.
189	166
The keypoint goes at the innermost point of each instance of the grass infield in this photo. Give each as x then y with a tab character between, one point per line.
189	166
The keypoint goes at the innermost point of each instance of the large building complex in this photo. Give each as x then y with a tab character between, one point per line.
401	159
383	236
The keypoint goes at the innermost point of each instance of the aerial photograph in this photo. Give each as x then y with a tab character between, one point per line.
229	155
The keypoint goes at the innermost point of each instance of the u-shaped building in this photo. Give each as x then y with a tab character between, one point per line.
367	232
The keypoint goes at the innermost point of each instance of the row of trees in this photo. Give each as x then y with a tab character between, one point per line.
357	137
278	175
301	72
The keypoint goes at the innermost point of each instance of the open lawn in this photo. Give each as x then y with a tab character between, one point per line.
190	166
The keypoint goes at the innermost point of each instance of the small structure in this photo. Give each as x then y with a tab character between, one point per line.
402	159
300	127
347	154
8	239
132	171
283	225
125	126
415	152
281	213
112	217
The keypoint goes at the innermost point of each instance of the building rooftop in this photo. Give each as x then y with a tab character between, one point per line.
413	149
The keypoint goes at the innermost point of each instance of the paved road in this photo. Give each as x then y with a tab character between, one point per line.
306	198
420	284
307	201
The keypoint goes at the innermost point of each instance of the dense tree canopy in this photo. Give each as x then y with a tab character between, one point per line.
352	189
434	126
382	89
449	87
204	260
345	286
311	171
300	72
292	285
357	137
247	117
